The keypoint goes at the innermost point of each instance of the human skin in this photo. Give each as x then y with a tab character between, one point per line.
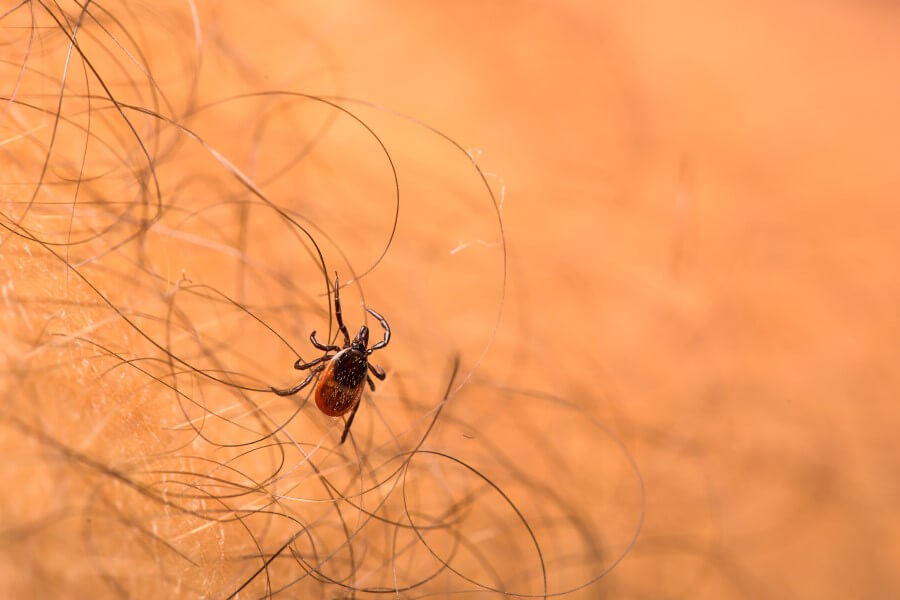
638	261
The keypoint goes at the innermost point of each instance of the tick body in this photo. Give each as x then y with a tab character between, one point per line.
344	374
341	384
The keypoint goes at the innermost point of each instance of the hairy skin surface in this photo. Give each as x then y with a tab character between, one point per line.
699	205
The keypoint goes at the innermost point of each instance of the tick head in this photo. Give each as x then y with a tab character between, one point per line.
361	341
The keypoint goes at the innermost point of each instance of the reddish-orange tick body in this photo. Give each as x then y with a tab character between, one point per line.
341	384
345	373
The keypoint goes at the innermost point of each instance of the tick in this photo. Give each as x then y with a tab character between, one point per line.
343	374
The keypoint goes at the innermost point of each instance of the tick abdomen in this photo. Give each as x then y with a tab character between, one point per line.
341	384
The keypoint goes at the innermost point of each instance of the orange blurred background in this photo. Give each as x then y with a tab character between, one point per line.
668	282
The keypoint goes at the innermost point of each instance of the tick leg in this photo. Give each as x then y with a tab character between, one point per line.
301	385
387	332
371	383
299	365
315	342
377	371
349	422
337	311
